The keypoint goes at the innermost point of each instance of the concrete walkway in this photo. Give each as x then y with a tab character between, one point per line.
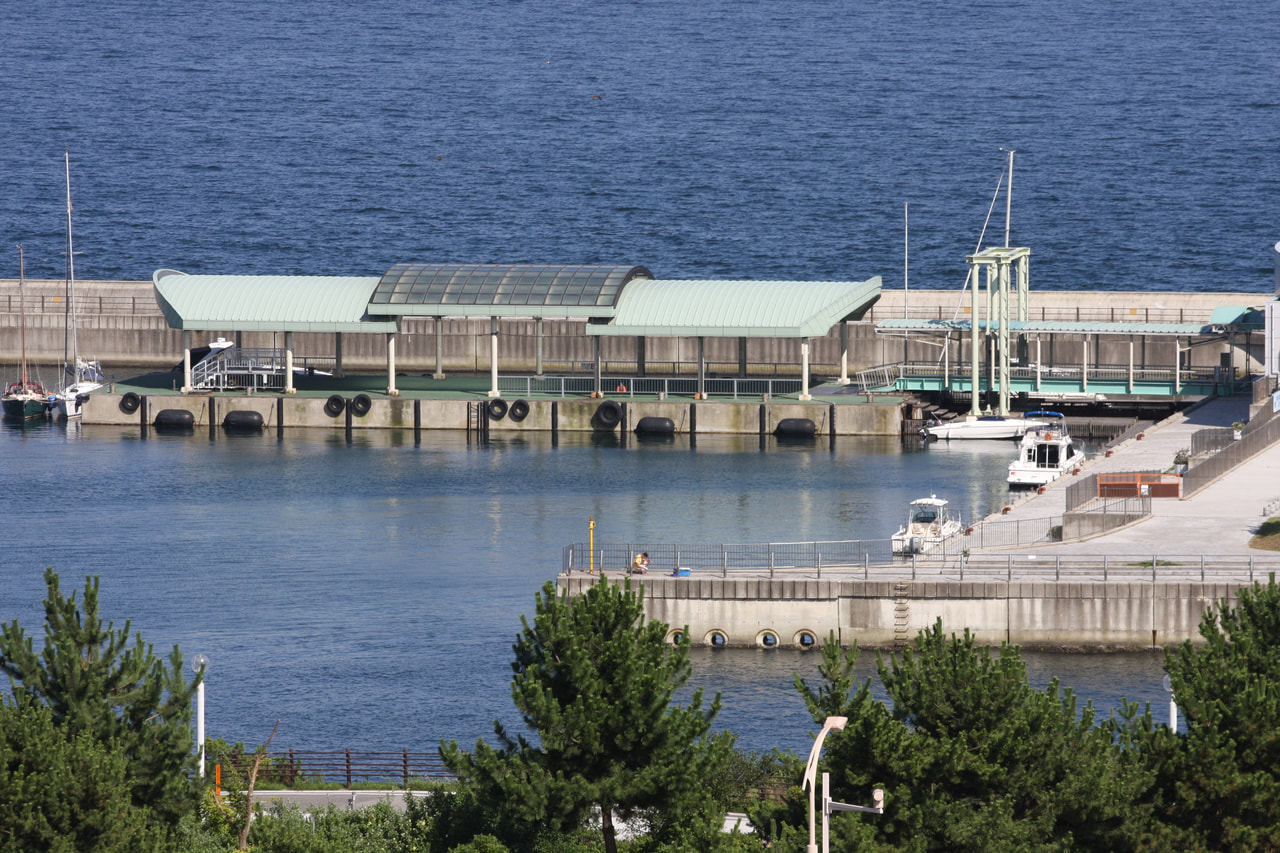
1219	520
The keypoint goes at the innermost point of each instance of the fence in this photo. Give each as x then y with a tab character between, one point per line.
1255	439
293	768
563	386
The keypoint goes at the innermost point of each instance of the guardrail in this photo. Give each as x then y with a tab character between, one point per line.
292	768
631	386
1145	568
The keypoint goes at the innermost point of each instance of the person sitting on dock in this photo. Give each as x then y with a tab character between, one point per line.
640	565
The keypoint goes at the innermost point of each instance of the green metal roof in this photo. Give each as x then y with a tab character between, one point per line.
759	309
268	303
438	290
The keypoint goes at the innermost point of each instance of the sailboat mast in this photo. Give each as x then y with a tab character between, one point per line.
1008	199
22	312
71	288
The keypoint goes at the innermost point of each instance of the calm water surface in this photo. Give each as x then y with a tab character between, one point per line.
368	595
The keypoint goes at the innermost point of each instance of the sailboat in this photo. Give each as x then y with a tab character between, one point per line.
24	399
86	376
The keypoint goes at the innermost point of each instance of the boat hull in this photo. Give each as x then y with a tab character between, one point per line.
24	408
985	429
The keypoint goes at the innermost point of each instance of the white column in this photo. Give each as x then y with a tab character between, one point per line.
186	361
288	363
537	343
974	350
804	370
200	724
1130	365
595	347
844	353
702	368
391	365
493	357
1084	362
439	374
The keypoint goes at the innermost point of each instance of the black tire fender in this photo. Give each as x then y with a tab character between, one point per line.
335	405
497	409
360	405
519	410
130	402
609	414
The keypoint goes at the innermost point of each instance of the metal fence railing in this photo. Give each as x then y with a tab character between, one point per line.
651	386
294	768
1256	437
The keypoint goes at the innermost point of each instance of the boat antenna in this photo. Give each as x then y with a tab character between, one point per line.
1008	197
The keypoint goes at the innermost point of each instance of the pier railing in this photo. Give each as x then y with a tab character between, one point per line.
655	386
938	565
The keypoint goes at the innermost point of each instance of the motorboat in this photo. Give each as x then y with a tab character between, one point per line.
1045	453
991	427
929	524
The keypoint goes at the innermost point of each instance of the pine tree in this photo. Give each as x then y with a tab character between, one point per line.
596	682
95	685
1222	787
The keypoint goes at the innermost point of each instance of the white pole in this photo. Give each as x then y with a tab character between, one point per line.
1008	200
493	357
826	816
200	724
1173	715
804	370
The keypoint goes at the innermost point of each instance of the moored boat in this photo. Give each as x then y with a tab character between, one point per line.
929	524
1045	453
23	399
989	427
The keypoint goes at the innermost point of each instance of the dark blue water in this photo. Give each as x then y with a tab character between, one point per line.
712	139
367	596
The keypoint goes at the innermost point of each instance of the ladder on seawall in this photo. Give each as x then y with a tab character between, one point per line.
901	614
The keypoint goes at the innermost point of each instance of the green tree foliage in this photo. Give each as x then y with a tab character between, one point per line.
596	682
971	756
1220	785
98	688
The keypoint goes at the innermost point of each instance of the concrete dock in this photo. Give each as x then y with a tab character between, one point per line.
1141	586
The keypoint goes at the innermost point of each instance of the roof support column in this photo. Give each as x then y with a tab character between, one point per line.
186	361
1005	341
493	357
702	368
642	345
974	350
742	358
1039	362
844	352
239	339
804	370
595	370
537	346
288	363
391	365
1084	362
337	355
439	373
1130	365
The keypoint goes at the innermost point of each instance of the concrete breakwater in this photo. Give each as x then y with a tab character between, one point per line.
124	408
886	613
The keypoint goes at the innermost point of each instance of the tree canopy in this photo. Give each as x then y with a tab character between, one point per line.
596	681
93	685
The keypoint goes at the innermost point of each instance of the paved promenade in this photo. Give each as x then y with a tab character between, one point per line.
1219	520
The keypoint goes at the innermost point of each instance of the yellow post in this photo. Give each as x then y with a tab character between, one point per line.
591	546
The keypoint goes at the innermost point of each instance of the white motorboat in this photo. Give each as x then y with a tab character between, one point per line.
1045	453
929	524
984	427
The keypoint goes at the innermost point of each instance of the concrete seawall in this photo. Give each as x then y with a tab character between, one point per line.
568	415
883	613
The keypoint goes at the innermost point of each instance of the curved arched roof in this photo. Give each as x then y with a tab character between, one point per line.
434	290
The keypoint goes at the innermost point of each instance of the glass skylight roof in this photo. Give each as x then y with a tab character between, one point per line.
504	284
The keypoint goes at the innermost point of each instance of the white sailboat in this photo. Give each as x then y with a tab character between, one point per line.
85	376
24	399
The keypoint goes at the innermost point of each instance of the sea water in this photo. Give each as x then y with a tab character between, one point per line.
367	594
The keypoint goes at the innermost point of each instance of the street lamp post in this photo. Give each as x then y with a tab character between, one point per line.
198	665
832	724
